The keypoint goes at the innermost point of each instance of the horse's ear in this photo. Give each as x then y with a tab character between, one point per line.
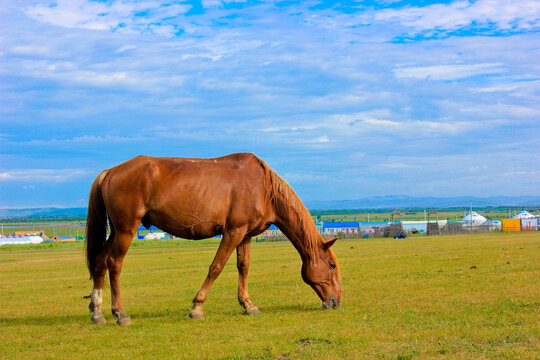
329	243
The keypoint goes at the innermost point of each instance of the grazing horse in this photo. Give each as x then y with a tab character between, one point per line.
237	196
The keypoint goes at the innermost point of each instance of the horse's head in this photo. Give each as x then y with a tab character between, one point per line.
321	272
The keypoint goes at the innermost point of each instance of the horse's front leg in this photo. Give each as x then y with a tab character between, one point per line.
242	263
231	239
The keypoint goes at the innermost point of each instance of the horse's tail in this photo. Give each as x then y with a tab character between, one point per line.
96	223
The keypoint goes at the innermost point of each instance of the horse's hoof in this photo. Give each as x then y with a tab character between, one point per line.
124	321
122	318
252	310
98	319
196	314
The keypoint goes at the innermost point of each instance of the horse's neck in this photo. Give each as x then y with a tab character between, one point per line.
299	228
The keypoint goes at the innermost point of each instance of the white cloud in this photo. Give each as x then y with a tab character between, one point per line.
448	72
210	3
501	110
384	124
367	123
502	14
33	50
396	165
289	127
291	81
121	16
79	140
319	140
43	175
508	87
303	177
99	75
125	48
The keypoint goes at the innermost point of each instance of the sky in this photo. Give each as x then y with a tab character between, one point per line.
344	99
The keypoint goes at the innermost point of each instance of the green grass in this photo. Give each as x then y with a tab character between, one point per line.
460	297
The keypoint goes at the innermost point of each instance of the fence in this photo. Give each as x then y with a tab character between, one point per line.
50	230
529	224
375	229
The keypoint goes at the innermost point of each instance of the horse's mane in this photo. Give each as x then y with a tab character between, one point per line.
287	203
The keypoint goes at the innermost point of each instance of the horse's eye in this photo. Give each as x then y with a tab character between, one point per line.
332	266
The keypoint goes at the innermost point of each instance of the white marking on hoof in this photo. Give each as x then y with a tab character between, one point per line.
96	299
95	307
97	318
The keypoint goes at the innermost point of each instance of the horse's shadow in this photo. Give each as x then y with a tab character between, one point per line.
291	308
168	315
48	320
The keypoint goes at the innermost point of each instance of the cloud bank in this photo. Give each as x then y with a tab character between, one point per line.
349	100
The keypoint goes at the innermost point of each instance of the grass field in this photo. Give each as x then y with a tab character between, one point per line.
460	297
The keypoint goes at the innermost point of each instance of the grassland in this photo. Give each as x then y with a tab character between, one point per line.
461	297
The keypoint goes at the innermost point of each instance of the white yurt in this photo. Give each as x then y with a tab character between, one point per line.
473	218
524	215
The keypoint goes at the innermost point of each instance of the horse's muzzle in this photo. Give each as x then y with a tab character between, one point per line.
332	303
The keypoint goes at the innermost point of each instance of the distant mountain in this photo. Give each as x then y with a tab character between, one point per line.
48	211
375	202
402	201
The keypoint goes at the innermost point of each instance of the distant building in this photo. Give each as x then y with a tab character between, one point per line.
370	227
346	227
511	224
473	218
23	233
20	239
319	225
64	238
39	233
151	233
524	215
272	231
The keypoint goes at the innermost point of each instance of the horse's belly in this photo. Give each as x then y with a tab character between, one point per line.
186	228
197	231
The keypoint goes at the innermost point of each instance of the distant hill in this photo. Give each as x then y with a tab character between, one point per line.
375	202
402	201
47	211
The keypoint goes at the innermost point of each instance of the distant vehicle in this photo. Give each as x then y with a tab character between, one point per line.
400	235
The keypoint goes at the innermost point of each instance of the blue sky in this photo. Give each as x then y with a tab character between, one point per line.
344	99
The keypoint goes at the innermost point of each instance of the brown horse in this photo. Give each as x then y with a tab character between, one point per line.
236	195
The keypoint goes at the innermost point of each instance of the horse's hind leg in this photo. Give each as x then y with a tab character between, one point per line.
231	239
242	263
96	299
114	263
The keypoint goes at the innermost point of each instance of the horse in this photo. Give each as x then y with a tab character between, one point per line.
237	196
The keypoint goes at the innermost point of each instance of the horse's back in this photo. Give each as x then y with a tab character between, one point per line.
193	198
